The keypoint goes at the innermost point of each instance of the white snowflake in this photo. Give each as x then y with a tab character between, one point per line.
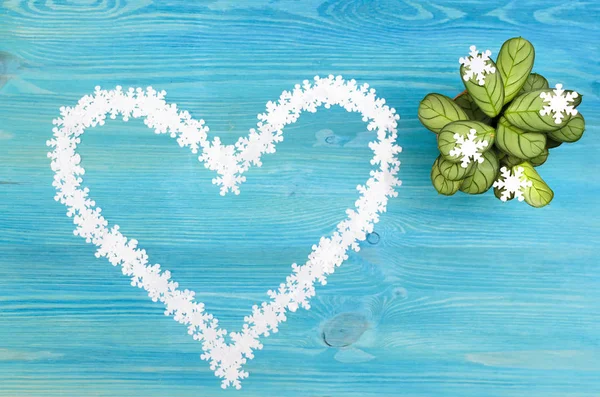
468	148
558	103
385	151
512	183
230	162
477	64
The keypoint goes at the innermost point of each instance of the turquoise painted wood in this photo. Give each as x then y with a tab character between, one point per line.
461	296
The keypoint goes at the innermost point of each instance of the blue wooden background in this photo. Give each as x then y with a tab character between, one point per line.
461	296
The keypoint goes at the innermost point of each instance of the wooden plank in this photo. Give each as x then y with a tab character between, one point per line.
461	296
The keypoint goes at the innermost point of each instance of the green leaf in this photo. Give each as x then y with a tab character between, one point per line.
466	102
509	161
441	184
436	110
515	61
541	159
572	132
577	101
534	82
447	142
551	143
453	171
490	96
519	143
482	175
524	112
539	194
498	194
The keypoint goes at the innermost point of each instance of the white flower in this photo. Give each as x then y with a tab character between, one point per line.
477	64
469	148
512	183
558	104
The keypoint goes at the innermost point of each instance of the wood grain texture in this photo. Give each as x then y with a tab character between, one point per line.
461	296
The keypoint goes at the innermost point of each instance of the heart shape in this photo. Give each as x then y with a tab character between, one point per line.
230	162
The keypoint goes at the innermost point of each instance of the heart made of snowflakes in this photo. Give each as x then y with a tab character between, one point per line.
230	162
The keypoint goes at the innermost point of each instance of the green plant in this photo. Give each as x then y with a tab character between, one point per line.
501	127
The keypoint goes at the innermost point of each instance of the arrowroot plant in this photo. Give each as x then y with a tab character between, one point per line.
501	127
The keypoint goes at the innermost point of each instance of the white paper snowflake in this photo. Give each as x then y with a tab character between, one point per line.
512	183
477	64
558	103
468	148
230	162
